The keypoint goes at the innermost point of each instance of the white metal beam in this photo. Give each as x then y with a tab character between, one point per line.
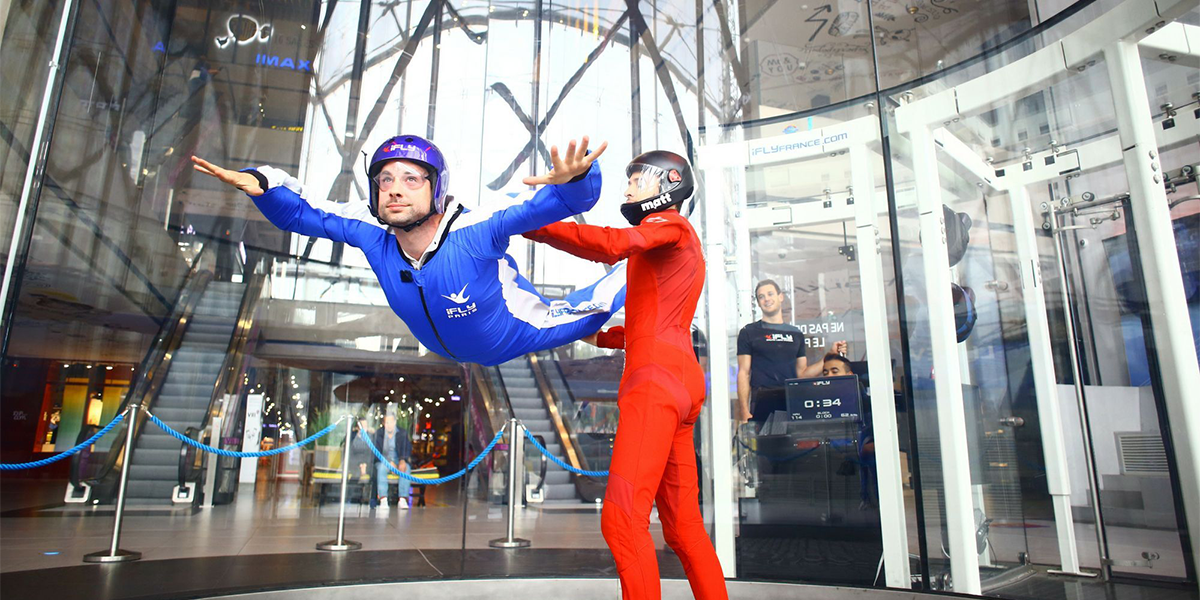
1131	20
721	442
1173	340
1096	154
951	418
1054	450
963	155
892	516
1176	42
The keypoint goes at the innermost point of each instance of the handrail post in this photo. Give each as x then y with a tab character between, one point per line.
341	544
514	481
115	554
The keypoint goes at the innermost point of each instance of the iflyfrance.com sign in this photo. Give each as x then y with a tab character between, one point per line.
795	145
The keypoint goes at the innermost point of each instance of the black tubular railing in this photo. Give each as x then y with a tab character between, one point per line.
544	464
189	463
79	461
496	379
484	381
151	373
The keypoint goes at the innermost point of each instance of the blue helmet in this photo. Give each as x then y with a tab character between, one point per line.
418	150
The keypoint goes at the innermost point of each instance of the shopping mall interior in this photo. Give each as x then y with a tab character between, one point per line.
975	224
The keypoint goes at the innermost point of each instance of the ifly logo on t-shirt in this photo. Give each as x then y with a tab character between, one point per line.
779	337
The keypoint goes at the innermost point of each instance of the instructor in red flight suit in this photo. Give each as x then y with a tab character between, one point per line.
662	389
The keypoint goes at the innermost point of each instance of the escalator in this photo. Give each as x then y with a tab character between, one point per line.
184	398
529	404
183	379
539	394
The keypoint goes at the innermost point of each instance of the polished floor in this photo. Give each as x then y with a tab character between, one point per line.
49	535
266	541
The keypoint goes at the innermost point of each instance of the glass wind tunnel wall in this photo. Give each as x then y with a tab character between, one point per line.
812	176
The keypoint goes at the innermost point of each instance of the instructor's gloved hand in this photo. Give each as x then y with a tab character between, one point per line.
613	337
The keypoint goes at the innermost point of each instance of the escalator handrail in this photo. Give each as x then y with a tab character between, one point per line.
479	374
565	432
187	460
542	475
75	472
512	414
156	363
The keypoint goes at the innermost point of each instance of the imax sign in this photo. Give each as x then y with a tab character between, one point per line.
279	62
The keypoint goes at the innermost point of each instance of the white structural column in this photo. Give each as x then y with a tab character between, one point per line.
37	156
1054	449
1176	350
719	359
952	434
893	524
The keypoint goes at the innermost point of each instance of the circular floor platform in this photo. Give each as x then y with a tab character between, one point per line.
575	589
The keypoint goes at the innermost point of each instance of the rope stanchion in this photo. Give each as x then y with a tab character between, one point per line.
232	454
514	484
440	480
558	461
67	453
340	543
116	554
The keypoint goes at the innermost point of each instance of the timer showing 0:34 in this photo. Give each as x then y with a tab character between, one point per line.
826	403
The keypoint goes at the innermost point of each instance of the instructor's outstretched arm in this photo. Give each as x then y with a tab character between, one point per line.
272	192
611	244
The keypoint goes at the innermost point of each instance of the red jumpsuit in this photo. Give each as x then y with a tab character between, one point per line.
662	391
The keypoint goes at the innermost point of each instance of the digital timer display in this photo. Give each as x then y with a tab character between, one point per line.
823	399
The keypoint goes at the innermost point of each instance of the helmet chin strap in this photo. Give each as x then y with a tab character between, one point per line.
634	212
417	223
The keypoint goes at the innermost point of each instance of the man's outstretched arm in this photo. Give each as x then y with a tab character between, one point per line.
277	196
570	188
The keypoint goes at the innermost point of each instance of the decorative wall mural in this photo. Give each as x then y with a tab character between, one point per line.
831	44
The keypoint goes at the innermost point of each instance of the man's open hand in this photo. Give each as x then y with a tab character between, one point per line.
565	168
242	181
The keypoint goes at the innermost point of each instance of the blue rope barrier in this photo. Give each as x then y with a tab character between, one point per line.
558	461
420	480
230	453
45	461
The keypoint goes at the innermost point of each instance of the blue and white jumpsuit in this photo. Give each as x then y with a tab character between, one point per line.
464	298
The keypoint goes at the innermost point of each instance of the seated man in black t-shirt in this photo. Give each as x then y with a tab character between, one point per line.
868	473
770	352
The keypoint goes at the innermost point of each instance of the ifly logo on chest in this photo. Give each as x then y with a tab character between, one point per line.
460	298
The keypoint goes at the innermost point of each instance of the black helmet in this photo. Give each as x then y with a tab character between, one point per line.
964	311
958	233
673	175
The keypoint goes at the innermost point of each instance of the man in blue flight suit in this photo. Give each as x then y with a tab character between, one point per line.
444	269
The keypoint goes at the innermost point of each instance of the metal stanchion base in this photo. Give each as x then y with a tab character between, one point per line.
343	546
507	543
104	556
